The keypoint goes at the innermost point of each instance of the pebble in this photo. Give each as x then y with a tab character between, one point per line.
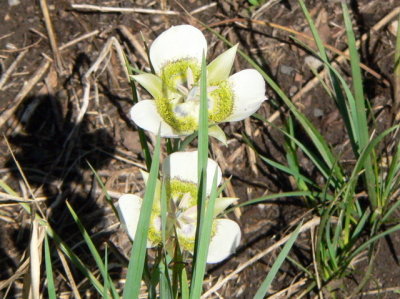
318	112
313	62
285	69
393	27
13	2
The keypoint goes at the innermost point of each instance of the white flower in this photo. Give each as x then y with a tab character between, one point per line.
176	58
180	174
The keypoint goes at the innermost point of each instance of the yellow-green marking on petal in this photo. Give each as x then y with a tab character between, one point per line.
222	102
175	73
176	189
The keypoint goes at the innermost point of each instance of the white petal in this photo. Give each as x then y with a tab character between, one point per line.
183	165
249	93
224	242
128	208
183	41
146	116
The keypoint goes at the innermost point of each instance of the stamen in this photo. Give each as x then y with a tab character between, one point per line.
189	78
182	89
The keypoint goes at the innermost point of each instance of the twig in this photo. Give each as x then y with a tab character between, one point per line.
289	290
36	77
133	41
78	39
52	36
203	8
95	8
310	224
250	152
12	67
22	269
266	5
67	270
22	49
380	291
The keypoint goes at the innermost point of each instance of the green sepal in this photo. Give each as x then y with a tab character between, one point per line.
152	83
222	203
216	132
220	68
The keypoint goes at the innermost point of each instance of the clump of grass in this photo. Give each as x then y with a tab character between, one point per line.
348	226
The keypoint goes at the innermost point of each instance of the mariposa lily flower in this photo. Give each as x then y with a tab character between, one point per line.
176	57
180	175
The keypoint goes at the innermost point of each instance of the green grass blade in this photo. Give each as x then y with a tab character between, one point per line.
321	165
392	209
203	122
263	290
136	262
76	260
348	196
372	240
107	282
104	189
187	141
392	176
204	241
7	188
49	270
67	251
198	259
93	250
347	110
370	178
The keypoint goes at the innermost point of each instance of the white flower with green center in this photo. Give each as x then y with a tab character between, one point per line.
176	58
180	175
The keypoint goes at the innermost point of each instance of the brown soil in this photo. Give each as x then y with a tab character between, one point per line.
53	148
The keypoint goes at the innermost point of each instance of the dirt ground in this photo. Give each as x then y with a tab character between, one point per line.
54	133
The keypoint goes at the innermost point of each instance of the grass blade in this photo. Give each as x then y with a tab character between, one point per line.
370	179
202	213
262	291
204	241
136	262
93	250
49	270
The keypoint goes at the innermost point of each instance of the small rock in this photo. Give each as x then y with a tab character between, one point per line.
318	112
13	2
393	27
313	62
285	69
292	90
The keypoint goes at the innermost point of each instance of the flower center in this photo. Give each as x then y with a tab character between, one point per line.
180	104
